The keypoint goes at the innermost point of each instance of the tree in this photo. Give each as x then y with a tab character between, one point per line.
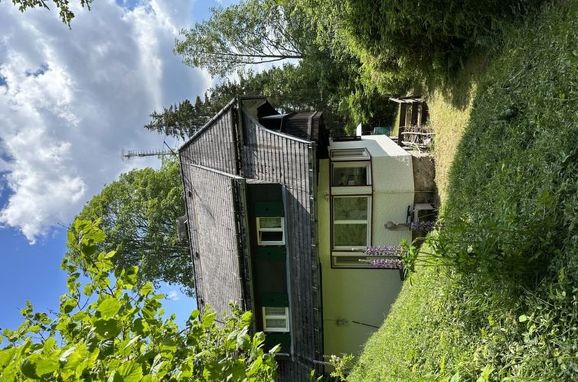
319	84
112	329
420	43
66	15
180	120
183	119
321	75
248	33
138	213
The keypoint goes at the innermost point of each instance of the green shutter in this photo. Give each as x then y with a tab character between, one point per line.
269	209
271	253
284	339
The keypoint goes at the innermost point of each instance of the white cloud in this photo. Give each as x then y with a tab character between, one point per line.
173	295
71	100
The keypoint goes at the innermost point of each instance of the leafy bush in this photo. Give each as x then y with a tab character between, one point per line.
110	329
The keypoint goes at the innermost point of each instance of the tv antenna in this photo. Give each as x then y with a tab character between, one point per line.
148	153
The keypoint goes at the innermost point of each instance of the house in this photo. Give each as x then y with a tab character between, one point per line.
279	217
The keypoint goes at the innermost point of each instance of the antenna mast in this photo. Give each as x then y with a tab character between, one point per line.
146	153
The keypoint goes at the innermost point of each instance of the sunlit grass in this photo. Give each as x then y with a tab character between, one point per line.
507	163
448	124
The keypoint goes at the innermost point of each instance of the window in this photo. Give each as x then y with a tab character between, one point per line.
270	231
275	319
351	173
351	222
349	154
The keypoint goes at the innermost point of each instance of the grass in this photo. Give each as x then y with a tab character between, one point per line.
502	305
449	124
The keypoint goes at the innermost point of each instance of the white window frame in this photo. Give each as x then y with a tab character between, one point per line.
367	222
349	154
276	229
357	164
276	317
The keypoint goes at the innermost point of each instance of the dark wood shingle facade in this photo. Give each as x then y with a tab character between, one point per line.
227	168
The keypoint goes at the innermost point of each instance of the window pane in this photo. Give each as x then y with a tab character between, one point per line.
270	222
271	236
351	154
349	176
274	311
354	235
275	323
350	208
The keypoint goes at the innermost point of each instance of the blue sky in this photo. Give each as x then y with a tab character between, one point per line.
70	102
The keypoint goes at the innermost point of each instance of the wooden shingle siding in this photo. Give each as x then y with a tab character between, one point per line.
275	157
212	208
294	371
214	145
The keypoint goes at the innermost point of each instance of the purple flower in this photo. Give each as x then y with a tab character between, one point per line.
386	256
385	250
387	263
423	226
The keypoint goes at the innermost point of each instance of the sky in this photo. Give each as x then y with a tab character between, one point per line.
71	100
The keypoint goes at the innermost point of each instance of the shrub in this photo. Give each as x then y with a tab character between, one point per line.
111	329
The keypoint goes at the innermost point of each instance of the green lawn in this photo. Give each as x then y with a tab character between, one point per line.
502	305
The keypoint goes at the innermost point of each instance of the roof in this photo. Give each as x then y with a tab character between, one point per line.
377	145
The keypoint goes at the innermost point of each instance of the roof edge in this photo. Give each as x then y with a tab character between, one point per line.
209	123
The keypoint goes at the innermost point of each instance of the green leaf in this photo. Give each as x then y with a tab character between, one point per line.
456	377
157	368
49	346
46	366
6	356
114	377
523	318
130	275
255	366
130	372
140	327
146	289
110	254
106	348
38	365
108	307
485	375
107	328
72	357
67	304
208	319
246	317
28	368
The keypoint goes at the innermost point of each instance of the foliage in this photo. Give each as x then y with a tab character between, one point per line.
244	35
66	15
341	366
401	42
248	33
507	307
111	329
138	214
180	120
320	84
